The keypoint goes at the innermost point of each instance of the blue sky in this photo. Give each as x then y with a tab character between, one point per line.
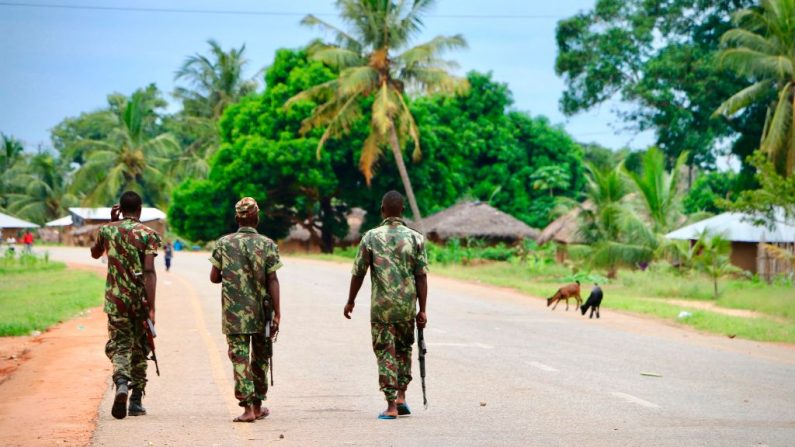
61	62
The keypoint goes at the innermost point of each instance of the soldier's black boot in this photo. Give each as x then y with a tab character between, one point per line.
136	407
119	410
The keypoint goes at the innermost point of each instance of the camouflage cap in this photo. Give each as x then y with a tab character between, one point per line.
246	207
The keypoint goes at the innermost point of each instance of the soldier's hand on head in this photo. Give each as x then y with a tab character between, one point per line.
348	310
422	320
115	212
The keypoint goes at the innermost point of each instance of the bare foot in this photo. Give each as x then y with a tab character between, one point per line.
391	409
247	416
261	412
401	397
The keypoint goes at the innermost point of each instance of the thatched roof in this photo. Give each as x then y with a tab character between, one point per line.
565	228
476	220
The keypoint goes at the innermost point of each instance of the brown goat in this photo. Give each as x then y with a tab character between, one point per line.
564	293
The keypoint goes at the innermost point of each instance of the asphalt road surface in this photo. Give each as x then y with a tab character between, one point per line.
502	370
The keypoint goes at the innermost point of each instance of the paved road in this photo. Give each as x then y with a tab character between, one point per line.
503	370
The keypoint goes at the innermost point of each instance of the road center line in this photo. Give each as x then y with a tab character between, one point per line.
222	383
542	366
635	400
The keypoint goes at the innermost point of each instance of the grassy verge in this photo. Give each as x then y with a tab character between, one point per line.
39	296
646	292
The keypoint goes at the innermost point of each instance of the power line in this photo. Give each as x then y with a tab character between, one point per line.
256	13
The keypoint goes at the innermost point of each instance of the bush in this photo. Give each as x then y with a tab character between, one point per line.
13	261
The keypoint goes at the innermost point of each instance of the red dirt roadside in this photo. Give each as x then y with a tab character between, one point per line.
61	375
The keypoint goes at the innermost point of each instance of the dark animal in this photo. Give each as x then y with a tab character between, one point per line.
564	293
593	302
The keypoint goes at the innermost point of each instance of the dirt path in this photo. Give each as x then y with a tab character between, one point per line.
52	397
712	307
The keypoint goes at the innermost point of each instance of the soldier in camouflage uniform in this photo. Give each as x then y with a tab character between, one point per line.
245	263
131	248
395	255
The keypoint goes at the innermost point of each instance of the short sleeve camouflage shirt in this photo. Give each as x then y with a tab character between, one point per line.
394	253
245	259
126	242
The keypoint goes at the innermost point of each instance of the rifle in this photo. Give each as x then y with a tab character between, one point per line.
149	325
268	326
421	358
149	330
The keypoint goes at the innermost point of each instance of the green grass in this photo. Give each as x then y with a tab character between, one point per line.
44	295
645	293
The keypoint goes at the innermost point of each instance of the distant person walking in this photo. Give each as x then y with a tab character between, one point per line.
27	240
131	248
245	264
395	255
168	252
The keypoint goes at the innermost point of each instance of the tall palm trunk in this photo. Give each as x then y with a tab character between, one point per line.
404	176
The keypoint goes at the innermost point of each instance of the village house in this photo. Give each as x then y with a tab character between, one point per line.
746	240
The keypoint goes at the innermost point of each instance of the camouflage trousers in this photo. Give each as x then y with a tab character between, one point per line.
249	354
392	343
127	350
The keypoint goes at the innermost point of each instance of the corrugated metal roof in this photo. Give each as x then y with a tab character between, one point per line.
147	214
62	222
7	221
736	227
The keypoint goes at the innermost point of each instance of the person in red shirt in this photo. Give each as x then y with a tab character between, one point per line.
27	239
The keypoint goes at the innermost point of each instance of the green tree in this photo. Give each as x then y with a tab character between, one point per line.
707	192
616	235
263	154
659	189
215	81
127	159
44	194
773	202
475	147
370	75
10	155
762	50
661	59
712	257
549	178
71	137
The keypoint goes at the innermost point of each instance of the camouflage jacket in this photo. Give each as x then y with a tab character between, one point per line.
126	241
394	253
244	258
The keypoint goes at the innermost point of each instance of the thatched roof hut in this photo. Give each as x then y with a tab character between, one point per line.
566	228
476	220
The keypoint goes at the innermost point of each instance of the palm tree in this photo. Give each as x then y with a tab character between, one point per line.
215	82
10	153
712	257
659	190
368	68
616	235
45	195
127	159
762	48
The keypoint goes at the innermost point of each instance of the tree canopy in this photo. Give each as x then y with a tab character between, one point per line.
662	59
475	147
